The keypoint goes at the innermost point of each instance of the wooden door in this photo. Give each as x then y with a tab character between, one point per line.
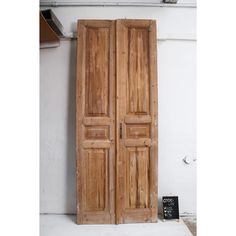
116	121
136	189
95	122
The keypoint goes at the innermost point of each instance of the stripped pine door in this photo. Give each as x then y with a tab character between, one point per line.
95	122
116	129
136	189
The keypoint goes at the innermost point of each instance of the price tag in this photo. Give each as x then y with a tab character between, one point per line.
170	207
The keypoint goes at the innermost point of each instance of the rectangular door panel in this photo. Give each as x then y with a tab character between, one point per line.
136	188
97	132
96	179
95	122
137	181
97	71
138	71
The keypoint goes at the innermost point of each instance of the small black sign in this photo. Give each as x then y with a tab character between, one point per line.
170	208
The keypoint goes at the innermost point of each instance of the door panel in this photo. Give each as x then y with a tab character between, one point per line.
137	183
95	119
96	179
97	71
138	78
136	189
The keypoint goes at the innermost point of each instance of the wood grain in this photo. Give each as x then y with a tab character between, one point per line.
95	122
137	178
137	131
97	71
96	164
138	81
97	132
116	121
137	116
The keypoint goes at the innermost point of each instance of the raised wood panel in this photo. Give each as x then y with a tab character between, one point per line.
96	179
138	71
97	71
137	178
138	131
97	132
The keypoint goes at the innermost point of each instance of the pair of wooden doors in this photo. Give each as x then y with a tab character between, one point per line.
116	121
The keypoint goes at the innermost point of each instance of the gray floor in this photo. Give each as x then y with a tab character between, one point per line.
191	223
64	225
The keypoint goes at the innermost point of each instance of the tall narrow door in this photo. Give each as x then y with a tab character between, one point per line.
95	122
116	123
136	199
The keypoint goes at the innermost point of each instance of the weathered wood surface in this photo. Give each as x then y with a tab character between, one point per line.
116	121
95	122
136	189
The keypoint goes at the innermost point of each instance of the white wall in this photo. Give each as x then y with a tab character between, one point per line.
177	106
102	1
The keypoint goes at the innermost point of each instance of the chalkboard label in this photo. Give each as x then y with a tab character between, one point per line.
170	208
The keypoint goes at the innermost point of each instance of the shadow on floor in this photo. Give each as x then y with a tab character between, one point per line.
191	224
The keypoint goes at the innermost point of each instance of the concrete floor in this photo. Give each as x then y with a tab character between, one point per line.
64	225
